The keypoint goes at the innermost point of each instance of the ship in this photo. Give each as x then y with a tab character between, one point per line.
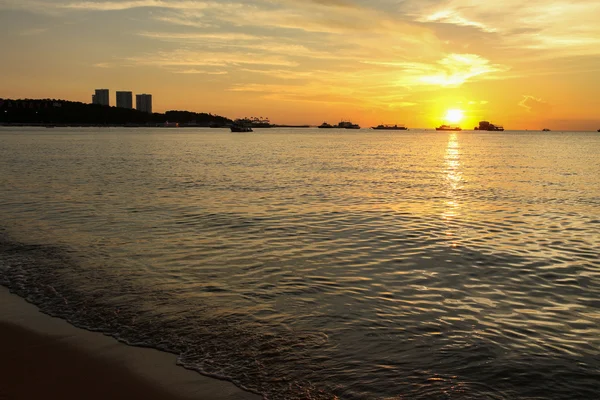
545	130
390	127
325	125
448	128
347	125
487	126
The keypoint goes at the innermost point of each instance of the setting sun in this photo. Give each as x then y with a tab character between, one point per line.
454	116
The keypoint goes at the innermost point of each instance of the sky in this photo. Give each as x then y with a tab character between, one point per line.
522	64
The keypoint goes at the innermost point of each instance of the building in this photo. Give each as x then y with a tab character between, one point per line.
143	102
101	97
125	100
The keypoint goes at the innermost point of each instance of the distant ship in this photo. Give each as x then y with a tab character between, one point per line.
325	125
448	128
347	125
391	127
545	130
487	126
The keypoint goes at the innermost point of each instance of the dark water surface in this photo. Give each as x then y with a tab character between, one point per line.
308	264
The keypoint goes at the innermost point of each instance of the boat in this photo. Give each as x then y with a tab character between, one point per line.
390	127
240	125
240	128
448	128
347	125
487	126
545	130
325	125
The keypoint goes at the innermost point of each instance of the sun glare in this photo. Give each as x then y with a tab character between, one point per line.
454	116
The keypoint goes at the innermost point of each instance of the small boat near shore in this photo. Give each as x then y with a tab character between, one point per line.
448	128
390	127
240	125
240	128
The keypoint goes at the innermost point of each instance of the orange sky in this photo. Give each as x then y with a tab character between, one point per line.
525	65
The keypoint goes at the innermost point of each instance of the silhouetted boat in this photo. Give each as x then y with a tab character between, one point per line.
325	125
448	128
390	127
487	126
545	130
240	125
239	128
347	125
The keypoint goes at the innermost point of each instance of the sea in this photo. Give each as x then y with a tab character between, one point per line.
320	264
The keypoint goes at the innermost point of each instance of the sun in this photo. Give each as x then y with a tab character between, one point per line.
454	116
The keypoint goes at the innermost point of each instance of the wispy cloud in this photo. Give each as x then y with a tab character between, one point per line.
454	17
33	31
104	65
533	104
565	27
125	5
452	70
202	72
179	58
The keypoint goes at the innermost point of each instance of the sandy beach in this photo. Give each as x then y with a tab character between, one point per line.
44	357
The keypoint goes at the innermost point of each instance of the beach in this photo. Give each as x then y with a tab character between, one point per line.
45	357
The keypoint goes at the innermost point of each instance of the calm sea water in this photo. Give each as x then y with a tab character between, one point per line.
320	264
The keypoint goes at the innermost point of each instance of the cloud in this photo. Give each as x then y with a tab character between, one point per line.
198	71
534	105
33	31
452	70
182	58
126	5
201	37
454	17
566	27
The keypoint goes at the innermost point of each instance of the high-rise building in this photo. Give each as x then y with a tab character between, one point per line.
124	99
101	97
143	102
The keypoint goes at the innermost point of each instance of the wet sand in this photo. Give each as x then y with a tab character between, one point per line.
43	357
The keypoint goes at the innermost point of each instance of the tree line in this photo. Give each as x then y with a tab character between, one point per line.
63	112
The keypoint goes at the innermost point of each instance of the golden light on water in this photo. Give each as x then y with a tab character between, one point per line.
454	179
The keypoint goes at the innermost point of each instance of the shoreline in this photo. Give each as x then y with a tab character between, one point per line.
46	357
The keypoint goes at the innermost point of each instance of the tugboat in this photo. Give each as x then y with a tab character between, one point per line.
487	126
448	128
325	125
390	127
348	125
